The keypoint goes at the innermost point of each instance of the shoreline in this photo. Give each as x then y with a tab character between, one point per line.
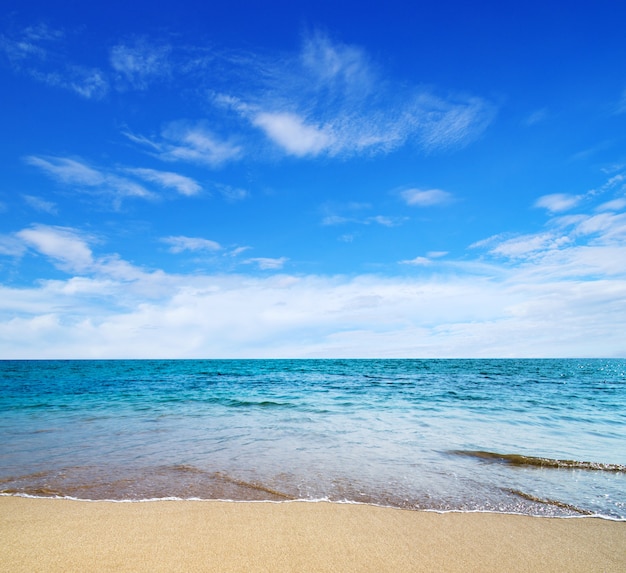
52	534
576	515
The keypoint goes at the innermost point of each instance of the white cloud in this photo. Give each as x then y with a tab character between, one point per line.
582	246
184	185
560	292
607	227
191	142
291	133
68	170
417	261
231	193
557	202
70	250
66	247
81	176
526	245
308	316
90	83
329	220
182	243
330	99
35	52
11	246
140	62
426	197
116	183
86	82
613	205
78	174
442	123
238	250
266	263
327	62
425	261
386	221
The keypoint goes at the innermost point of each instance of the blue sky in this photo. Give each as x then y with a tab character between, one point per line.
307	179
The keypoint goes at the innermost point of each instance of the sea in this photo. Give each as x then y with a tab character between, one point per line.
536	437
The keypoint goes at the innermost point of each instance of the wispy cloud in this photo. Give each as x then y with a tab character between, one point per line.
267	263
613	205
71	250
117	184
68	170
426	197
11	246
422	261
536	117
78	175
560	202
345	67
330	99
40	204
526	246
352	213
190	142
169	180
32	44
89	83
181	243
418	261
581	245
37	51
140	62
327	98
384	220
65	246
557	202
231	193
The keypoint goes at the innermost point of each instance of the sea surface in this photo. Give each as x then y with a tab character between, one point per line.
539	437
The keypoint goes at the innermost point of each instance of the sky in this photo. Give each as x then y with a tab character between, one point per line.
312	179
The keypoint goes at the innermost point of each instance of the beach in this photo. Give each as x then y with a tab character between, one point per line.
51	535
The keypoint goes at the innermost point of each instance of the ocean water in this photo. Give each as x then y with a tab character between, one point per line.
539	437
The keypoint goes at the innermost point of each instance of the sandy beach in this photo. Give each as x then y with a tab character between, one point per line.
51	535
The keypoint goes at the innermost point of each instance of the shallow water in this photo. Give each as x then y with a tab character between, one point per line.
422	434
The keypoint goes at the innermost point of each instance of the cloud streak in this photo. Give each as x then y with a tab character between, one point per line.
114	184
181	243
330	99
139	63
180	183
326	99
425	197
37	52
189	142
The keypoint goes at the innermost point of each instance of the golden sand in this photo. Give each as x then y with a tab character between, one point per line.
51	535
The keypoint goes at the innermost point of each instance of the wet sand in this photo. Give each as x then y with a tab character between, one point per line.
54	535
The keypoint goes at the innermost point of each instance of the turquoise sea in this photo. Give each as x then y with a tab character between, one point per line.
540	437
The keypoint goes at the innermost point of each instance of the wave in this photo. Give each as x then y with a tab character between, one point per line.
254	486
553	502
235	403
532	461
